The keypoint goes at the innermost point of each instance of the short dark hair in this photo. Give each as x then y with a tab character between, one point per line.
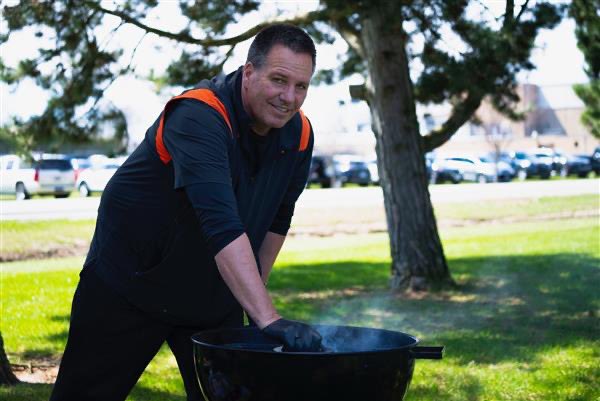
290	36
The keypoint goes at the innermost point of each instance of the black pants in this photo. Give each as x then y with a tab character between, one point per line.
110	344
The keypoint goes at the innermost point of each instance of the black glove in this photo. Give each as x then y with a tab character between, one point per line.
295	336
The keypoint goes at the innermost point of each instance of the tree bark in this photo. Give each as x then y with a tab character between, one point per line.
7	377
418	261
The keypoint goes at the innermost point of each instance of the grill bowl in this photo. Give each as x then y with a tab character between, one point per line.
361	364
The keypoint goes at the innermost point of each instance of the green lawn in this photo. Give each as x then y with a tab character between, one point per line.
56	237
20	238
523	323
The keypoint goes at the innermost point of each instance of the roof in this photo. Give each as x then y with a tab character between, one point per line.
558	97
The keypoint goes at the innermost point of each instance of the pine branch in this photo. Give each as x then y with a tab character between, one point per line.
301	19
461	113
350	35
522	10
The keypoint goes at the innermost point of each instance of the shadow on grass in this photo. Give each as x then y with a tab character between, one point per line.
35	354
41	392
505	307
26	392
141	393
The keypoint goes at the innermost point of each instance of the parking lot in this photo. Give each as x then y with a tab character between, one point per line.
86	208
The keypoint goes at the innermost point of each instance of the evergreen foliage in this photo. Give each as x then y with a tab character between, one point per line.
587	18
76	69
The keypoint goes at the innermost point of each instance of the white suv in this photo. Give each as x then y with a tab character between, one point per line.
56	177
49	175
17	177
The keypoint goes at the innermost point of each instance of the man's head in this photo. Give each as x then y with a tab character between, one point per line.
280	64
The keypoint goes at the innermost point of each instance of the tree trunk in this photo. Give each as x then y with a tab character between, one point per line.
7	377
418	260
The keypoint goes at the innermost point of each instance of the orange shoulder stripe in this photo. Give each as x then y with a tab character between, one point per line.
204	95
305	135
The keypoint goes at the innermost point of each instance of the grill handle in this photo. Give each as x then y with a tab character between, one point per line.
419	352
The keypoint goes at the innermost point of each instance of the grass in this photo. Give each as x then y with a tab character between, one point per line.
340	216
73	194
31	237
62	236
522	323
525	208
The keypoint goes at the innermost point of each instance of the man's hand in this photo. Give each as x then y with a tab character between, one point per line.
295	336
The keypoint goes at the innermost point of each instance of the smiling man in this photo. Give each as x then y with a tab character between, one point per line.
189	227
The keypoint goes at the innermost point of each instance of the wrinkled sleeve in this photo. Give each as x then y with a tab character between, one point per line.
283	218
197	138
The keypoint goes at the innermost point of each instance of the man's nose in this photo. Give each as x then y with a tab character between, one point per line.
287	95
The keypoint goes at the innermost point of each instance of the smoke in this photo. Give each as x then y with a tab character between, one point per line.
360	339
423	317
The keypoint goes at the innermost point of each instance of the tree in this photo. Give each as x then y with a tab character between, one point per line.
498	136
587	18
7	377
383	43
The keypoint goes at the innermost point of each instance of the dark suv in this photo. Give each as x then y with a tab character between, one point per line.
595	159
323	172
529	165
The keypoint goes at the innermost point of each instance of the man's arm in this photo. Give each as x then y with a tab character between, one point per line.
268	252
237	266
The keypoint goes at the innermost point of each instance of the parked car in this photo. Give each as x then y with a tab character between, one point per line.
323	172
94	178
503	170
544	164
479	169
50	175
352	169
578	165
439	172
373	171
56	176
520	166
558	159
595	161
529	165
18	177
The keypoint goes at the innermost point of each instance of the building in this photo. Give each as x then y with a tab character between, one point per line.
551	119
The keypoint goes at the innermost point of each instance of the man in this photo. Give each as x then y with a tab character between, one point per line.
191	224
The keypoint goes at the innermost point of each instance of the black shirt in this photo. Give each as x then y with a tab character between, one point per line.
160	224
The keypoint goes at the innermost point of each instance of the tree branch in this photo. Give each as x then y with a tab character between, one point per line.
226	57
509	14
122	72
461	113
306	18
350	35
521	11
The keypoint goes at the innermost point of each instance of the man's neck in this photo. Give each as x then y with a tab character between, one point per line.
258	129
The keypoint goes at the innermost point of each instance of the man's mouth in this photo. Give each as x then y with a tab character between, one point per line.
281	109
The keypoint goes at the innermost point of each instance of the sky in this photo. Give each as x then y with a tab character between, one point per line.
556	56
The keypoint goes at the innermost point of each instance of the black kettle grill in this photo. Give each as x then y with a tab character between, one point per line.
358	364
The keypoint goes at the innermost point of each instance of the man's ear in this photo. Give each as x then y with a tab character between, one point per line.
247	72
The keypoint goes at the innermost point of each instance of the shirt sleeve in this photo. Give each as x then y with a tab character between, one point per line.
197	138
283	218
216	208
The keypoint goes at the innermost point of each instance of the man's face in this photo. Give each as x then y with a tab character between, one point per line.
273	93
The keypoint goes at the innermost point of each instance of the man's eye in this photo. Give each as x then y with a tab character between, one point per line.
279	80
